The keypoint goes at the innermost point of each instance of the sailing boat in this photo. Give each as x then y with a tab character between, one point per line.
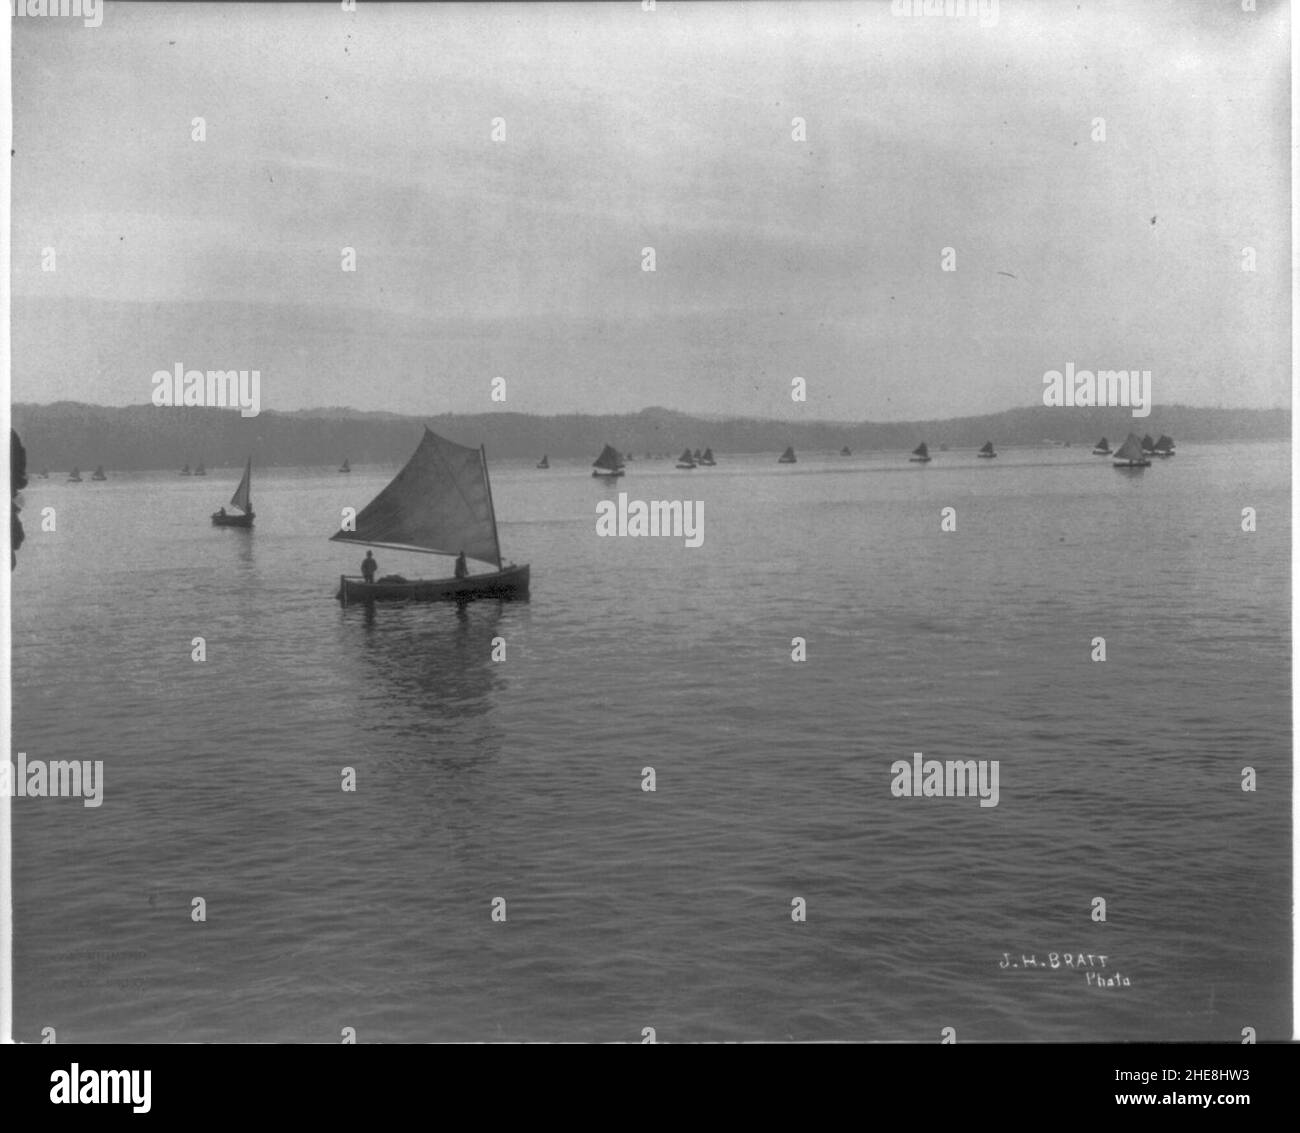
845	451
920	454
1130	454
608	465
74	477
543	463
787	457
1164	446
707	459
987	451
200	470
439	504
696	455
99	473
345	466
186	471
242	500
1148	445
1101	448
686	460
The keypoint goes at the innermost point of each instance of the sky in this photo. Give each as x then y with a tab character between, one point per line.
775	256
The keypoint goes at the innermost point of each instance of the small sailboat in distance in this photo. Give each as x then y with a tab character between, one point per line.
186	471
544	462
920	454
1101	448
987	451
200	470
1164	446
74	477
242	499
98	474
608	465
1148	445
440	503
845	451
345	466
686	461
1130	454
707	459
787	457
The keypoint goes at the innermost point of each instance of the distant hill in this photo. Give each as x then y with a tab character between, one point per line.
65	433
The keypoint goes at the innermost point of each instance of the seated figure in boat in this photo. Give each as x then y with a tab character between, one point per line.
462	567
369	566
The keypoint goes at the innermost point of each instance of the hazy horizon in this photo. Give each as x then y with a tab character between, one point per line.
672	129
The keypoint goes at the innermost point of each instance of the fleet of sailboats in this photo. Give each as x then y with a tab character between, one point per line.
242	499
440	503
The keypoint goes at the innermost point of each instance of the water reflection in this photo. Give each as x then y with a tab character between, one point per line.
425	671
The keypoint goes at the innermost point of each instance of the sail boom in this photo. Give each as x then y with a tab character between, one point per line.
350	537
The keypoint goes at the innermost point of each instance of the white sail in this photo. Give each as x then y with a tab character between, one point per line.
440	503
241	498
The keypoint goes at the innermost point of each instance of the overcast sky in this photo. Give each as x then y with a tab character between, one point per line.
625	129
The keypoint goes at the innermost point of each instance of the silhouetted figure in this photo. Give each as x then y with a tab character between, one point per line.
17	482
368	567
462	569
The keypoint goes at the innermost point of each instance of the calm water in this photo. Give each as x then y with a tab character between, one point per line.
521	779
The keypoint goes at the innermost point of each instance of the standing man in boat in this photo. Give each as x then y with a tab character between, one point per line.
462	568
369	566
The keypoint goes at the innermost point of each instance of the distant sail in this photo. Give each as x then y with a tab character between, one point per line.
787	457
708	456
200	470
75	474
241	499
921	450
845	451
686	458
987	448
345	467
544	462
99	473
1102	447
439	503
609	460
1147	443
1164	444
186	471
1131	451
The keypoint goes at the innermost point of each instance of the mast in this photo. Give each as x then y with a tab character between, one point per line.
496	535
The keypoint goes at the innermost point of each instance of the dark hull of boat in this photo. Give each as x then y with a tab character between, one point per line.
920	459
782	460
686	467
987	455
512	582
1127	465
1102	451
219	520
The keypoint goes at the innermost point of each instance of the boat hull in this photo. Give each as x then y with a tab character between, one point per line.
920	459
219	520
512	582
1126	465
987	455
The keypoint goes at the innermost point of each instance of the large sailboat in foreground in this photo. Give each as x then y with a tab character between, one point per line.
242	499
439	504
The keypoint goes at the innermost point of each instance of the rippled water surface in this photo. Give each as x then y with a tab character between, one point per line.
521	779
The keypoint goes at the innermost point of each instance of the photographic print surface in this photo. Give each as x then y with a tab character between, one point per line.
651	522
